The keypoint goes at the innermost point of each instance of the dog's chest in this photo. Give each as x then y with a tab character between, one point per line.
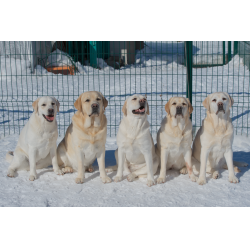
220	146
44	145
90	150
133	152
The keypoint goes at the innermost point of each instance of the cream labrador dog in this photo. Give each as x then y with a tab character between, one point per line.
174	138
136	151
212	147
36	147
85	137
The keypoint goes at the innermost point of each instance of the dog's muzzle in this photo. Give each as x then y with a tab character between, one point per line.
220	108
95	109
141	110
178	111
50	117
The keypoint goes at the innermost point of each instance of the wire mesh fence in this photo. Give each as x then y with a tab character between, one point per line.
119	69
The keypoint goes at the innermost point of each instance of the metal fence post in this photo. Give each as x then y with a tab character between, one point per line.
189	65
235	47
224	52
229	51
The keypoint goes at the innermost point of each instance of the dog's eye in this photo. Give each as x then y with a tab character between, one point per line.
224	99
52	103
134	99
87	100
184	104
98	99
174	103
214	100
43	105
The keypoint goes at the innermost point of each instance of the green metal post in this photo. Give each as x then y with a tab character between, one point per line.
235	47
70	48
229	52
224	52
189	65
93	53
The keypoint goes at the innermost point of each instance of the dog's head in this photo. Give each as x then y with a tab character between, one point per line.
136	105
46	107
91	103
179	107
218	103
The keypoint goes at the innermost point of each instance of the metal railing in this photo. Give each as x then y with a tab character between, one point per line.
159	70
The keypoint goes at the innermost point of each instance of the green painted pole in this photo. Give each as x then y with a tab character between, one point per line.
235	47
189	66
224	52
229	52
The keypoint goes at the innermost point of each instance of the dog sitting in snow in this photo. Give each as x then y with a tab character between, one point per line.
136	152
85	137
36	147
174	138
212	147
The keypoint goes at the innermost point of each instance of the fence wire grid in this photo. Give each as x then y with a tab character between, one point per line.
157	69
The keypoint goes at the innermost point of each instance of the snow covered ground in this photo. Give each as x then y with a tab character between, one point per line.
156	73
53	190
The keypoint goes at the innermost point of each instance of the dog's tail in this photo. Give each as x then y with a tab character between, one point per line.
9	156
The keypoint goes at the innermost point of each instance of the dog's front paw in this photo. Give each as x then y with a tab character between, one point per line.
184	170
67	170
233	179
193	177
131	177
201	181
11	173
118	178
58	171
150	183
79	180
161	180
32	177
106	179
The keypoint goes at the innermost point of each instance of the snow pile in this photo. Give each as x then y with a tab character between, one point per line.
59	58
15	67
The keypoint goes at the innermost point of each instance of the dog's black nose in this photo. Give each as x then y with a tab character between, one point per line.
95	105
179	109
51	111
220	105
142	100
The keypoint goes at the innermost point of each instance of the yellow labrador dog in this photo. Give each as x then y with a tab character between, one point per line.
136	151
212	147
85	137
36	147
174	138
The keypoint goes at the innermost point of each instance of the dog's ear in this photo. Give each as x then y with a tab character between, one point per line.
104	100
231	100
124	108
206	103
57	104
78	103
35	105
147	108
190	107
167	106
